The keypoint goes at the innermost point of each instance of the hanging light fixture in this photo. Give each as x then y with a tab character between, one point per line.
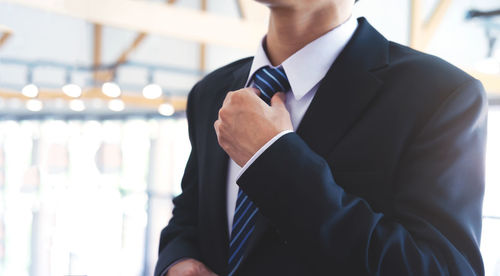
166	109
30	90
72	90
77	105
152	90
34	105
116	105
111	89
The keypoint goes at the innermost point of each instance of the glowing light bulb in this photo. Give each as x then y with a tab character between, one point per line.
166	109
77	105
72	90
34	105
152	91
116	105
30	91
111	89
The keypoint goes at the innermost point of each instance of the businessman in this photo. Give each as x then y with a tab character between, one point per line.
332	151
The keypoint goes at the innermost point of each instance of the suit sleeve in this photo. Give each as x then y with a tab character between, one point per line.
434	225
179	238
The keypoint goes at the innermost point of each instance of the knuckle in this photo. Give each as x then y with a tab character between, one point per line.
191	271
236	97
221	142
222	113
230	95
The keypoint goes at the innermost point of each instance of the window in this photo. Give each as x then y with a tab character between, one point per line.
68	188
490	240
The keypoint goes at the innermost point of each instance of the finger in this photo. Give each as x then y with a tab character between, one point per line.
228	96
255	90
278	99
216	127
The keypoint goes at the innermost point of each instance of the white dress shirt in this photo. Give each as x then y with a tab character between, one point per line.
304	69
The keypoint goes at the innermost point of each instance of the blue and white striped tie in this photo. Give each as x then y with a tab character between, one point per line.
268	81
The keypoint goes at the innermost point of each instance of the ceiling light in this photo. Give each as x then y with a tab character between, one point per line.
166	109
111	89
30	91
116	105
34	105
77	105
72	90
152	91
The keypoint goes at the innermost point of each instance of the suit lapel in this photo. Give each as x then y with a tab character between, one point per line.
346	91
261	225
216	175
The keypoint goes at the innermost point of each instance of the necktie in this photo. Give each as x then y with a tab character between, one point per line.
269	81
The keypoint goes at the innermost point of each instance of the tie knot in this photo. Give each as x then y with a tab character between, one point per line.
269	81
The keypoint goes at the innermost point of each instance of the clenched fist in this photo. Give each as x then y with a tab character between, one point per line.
246	123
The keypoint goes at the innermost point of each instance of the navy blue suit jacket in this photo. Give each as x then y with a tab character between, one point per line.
384	175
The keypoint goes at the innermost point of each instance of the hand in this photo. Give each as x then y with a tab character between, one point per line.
246	123
189	267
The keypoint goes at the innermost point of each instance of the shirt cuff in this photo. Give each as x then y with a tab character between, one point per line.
261	150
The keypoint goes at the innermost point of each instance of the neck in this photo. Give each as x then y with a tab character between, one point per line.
292	28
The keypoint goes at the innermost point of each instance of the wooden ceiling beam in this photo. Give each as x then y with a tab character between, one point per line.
421	30
4	38
5	29
160	19
203	46
97	50
5	32
123	57
241	9
130	99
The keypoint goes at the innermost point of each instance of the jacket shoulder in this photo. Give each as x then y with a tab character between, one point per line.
422	66
204	92
221	75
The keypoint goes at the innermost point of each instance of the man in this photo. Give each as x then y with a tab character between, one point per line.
337	153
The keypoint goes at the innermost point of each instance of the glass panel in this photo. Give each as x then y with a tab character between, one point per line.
69	187
490	244
87	197
491	205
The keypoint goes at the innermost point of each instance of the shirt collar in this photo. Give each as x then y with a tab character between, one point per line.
307	67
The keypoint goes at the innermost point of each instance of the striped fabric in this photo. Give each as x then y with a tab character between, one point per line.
268	81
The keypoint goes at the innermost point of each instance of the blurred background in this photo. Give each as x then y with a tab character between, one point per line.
93	135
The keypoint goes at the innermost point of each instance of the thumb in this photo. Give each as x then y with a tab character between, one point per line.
278	99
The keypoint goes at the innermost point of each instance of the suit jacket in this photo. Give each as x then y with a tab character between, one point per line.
384	175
